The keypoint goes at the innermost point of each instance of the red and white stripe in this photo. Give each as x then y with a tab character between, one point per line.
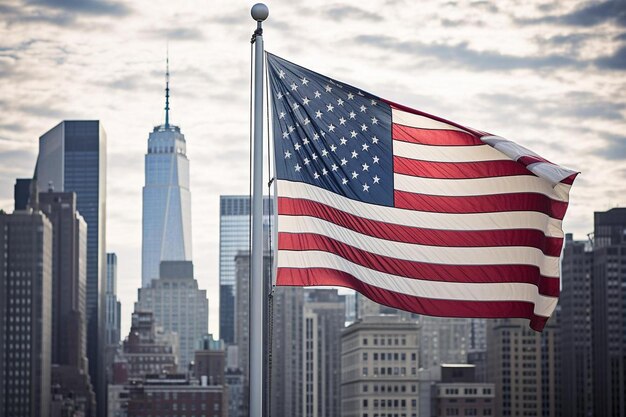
476	230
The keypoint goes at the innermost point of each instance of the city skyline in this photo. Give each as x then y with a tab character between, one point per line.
545	75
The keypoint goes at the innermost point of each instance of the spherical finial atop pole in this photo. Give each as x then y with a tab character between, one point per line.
259	12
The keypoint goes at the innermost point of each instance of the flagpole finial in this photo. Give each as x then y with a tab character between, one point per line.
259	12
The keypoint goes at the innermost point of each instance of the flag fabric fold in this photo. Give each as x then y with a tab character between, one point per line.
409	209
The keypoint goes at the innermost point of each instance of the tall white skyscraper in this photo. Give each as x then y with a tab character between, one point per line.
166	199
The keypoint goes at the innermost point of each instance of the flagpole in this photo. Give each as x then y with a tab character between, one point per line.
259	13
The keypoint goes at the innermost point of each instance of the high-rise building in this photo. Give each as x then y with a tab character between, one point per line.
72	158
523	364
179	306
113	305
575	329
608	313
379	362
69	281
444	340
234	237
166	221
25	314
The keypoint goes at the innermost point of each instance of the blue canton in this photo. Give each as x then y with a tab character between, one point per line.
330	134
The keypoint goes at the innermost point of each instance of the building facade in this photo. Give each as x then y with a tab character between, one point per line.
444	340
72	158
459	394
25	314
608	313
523	365
179	306
113	305
379	363
166	220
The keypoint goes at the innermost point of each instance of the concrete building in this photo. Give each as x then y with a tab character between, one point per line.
113	305
608	307
523	364
458	393
72	158
179	306
444	340
234	237
25	314
575	329
210	360
379	362
166	220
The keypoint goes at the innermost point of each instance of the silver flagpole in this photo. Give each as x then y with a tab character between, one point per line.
259	13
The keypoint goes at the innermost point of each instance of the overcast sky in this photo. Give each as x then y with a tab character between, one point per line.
550	75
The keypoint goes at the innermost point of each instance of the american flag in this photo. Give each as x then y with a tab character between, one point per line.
411	210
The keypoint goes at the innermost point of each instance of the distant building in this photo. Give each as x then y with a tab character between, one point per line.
69	316
113	305
21	193
179	306
72	158
25	314
575	329
523	365
210	360
459	394
379	362
444	340
608	309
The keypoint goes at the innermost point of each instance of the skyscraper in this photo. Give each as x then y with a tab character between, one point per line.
234	237
166	221
113	306
72	157
25	314
608	313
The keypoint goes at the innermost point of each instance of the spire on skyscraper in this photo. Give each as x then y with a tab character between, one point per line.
167	89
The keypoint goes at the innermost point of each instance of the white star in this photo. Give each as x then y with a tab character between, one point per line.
333	148
363	108
287	154
344	181
324	171
334	167
374	140
355	154
331	128
290	129
366	187
365	167
376	179
343	141
366	146
305	141
328	88
285	135
359	93
342	121
350	96
375	159
363	127
352	134
281	74
316	175
344	161
318	94
281	115
297	146
279	96
374	121
297	167
295	106
323	133
318	114
305	101
324	152
304	81
373	102
306	121
294	87
355	174
340	102
314	156
352	115
329	107
316	136
306	161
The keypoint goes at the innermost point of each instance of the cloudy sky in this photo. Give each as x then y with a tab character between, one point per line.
550	75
